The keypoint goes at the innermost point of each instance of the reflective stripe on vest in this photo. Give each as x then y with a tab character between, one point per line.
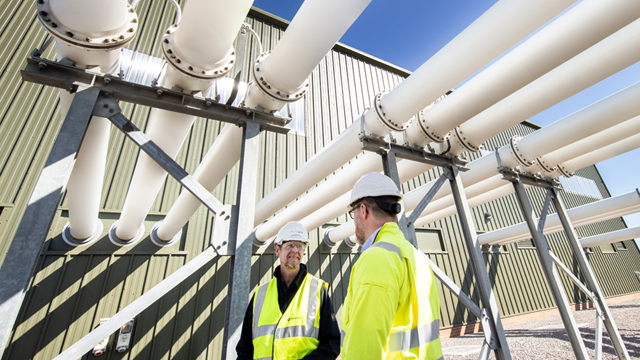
304	331
389	247
405	340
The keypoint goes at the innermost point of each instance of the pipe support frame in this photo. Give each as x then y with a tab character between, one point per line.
108	40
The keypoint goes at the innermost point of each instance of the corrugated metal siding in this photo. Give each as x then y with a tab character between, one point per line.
73	288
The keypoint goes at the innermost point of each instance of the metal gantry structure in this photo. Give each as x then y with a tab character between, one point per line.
98	95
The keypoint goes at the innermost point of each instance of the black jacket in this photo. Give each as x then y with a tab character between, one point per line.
328	336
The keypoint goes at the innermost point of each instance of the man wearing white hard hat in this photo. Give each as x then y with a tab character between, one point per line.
291	316
392	308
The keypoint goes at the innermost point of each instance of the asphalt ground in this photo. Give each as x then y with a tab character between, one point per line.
547	338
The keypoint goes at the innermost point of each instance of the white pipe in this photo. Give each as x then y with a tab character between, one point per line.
595	141
502	26
607	57
298	52
85	33
581	27
482	174
186	204
329	189
284	72
612	237
570	166
202	48
482	41
596	210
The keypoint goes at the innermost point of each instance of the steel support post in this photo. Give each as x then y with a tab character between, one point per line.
391	170
501	349
22	256
240	271
542	247
589	276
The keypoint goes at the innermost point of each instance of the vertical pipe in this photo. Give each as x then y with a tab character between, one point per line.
198	50
279	77
89	34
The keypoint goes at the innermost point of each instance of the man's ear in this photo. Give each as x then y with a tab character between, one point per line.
277	248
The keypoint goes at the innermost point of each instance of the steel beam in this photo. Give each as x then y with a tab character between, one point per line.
240	272
82	346
589	276
542	248
501	349
22	256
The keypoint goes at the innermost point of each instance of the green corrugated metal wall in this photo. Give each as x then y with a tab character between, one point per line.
74	287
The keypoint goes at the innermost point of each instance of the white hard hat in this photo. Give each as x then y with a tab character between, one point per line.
374	184
293	231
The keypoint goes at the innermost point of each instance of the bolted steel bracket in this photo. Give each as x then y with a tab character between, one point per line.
487	328
220	237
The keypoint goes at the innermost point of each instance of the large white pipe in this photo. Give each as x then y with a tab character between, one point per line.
541	53
579	28
595	141
568	167
89	33
198	51
596	210
482	41
612	237
279	77
502	26
282	75
589	124
607	57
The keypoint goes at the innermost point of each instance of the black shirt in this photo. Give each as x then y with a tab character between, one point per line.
328	336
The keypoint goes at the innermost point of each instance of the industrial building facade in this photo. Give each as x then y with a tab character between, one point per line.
74	287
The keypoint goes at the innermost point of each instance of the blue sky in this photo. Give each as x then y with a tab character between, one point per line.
408	33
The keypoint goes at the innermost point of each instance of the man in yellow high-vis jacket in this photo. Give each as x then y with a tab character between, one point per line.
290	317
392	308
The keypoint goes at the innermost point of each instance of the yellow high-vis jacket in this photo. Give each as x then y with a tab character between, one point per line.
292	334
392	308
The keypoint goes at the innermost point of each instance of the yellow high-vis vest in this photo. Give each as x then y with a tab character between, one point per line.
294	334
392	308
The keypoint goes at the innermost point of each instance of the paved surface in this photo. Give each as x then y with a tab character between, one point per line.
547	339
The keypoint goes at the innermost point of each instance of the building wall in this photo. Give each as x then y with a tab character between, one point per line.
74	287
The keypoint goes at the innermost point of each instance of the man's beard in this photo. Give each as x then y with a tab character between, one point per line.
360	236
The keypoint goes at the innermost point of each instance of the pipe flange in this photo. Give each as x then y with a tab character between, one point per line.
461	140
153	235
517	154
270	90
220	69
70	240
563	170
425	125
544	165
382	116
115	240
117	38
349	243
